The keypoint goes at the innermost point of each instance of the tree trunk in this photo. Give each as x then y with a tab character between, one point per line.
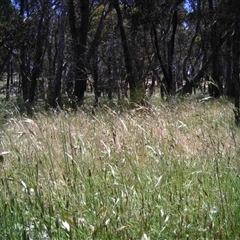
136	91
97	91
37	63
50	72
79	46
166	80
23	61
24	73
58	75
229	82
171	86
189	85
5	61
98	34
215	88
236	62
8	81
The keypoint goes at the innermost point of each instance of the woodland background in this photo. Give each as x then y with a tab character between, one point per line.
56	50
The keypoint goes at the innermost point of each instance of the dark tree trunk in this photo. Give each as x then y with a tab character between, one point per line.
38	61
5	61
81	68
236	62
50	72
97	91
98	34
189	85
136	91
162	65
24	70
8	80
166	63
229	80
215	88
93	53
79	47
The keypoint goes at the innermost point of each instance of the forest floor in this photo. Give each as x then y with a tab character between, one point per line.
170	170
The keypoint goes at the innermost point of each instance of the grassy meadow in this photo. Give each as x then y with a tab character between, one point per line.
167	171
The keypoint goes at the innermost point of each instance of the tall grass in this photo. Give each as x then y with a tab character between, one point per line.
169	171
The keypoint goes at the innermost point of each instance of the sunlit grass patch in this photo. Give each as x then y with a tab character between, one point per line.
168	171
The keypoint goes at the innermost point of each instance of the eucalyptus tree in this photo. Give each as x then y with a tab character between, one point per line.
79	32
8	23
161	20
196	49
218	17
109	61
215	89
136	91
35	17
229	51
98	31
236	57
7	27
24	58
211	27
40	45
55	54
80	16
40	49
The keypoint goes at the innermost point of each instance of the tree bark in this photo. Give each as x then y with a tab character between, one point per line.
25	80
236	72
171	84
136	91
93	52
9	66
185	60
162	65
168	58
38	61
215	88
81	68
79	38
58	75
229	82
